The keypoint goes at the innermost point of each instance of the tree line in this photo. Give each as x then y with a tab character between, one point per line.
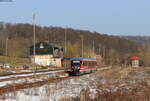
15	40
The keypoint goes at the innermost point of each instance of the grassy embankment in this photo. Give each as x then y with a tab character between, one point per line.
13	60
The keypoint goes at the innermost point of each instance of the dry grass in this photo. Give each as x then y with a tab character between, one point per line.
14	60
70	99
122	85
140	92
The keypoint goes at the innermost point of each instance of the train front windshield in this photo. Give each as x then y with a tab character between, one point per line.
76	63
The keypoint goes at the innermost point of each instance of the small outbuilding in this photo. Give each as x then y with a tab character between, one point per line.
46	54
134	61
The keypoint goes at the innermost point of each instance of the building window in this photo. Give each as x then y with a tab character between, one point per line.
41	45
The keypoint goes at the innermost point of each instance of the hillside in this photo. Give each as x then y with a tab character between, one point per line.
138	39
20	37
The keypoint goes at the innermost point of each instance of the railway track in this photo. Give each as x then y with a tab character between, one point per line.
16	87
32	76
27	74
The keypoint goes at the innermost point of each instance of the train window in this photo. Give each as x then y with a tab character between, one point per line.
90	64
95	63
85	63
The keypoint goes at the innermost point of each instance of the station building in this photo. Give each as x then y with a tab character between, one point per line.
46	54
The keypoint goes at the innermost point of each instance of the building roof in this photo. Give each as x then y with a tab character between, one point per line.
44	48
134	58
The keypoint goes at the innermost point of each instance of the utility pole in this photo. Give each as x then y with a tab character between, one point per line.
82	45
65	46
103	52
34	37
6	45
6	49
68	48
99	50
93	48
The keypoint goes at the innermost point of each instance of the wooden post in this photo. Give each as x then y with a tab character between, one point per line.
83	95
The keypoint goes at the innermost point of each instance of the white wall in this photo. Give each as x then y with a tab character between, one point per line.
46	60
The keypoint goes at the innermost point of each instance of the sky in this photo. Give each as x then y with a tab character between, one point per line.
115	17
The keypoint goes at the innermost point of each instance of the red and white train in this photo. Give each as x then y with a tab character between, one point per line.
83	65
